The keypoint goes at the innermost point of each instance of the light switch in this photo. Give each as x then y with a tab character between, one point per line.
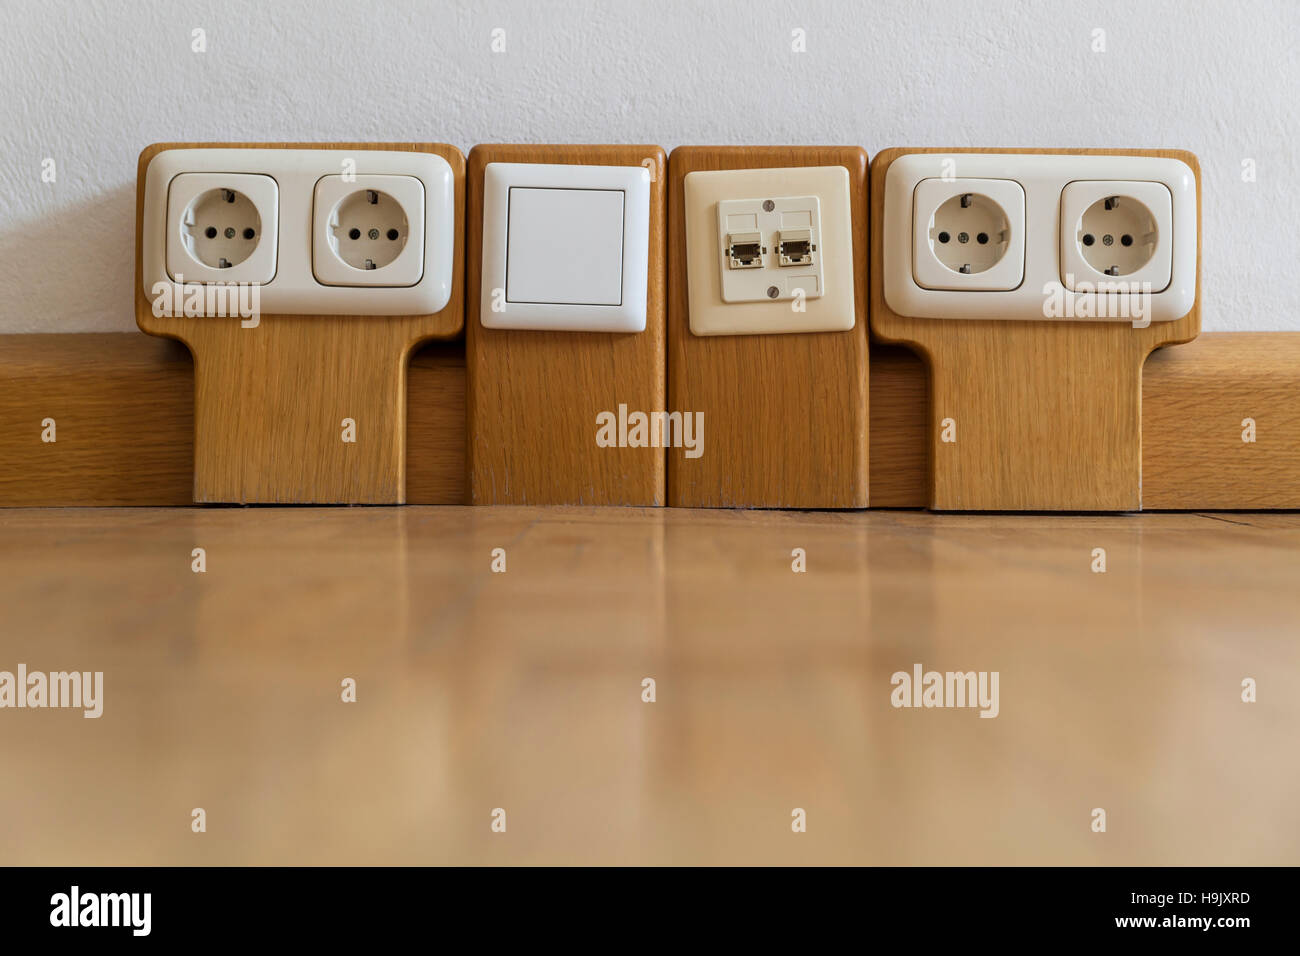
565	247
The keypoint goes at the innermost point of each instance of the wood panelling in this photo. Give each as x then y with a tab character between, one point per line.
123	404
785	415
534	396
123	407
1195	402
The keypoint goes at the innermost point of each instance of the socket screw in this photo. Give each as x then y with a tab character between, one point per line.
768	205
773	292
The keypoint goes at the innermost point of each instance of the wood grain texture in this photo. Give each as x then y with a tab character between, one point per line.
786	416
1194	403
534	396
270	401
899	403
478	690
1048	414
123	404
435	426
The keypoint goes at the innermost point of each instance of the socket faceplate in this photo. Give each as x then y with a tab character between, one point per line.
1041	295
293	286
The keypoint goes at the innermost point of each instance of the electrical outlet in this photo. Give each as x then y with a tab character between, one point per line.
284	219
969	234
362	234
1058	244
222	227
565	247
769	250
1115	230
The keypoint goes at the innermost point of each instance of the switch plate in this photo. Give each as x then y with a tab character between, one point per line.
565	247
789	219
294	286
1041	295
736	301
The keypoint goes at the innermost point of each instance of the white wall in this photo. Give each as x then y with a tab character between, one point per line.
91	86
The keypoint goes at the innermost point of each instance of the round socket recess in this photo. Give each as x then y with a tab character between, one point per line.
1116	232
221	228
368	231
968	234
1117	235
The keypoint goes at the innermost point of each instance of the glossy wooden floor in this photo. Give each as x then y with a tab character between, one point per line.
522	690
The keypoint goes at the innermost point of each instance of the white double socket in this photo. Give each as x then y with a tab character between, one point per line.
565	247
1032	236
769	251
321	231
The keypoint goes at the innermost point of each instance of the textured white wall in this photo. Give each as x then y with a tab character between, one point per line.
90	87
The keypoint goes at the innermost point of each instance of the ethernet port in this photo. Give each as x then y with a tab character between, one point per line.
745	250
795	247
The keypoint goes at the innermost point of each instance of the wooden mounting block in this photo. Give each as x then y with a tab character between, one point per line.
270	400
786	415
534	396
1048	414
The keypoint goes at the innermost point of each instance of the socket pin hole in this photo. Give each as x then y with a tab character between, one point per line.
210	232
1088	239
982	238
392	234
354	233
944	237
1126	240
249	233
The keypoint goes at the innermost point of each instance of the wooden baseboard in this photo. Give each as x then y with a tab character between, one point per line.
123	406
1196	400
123	411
